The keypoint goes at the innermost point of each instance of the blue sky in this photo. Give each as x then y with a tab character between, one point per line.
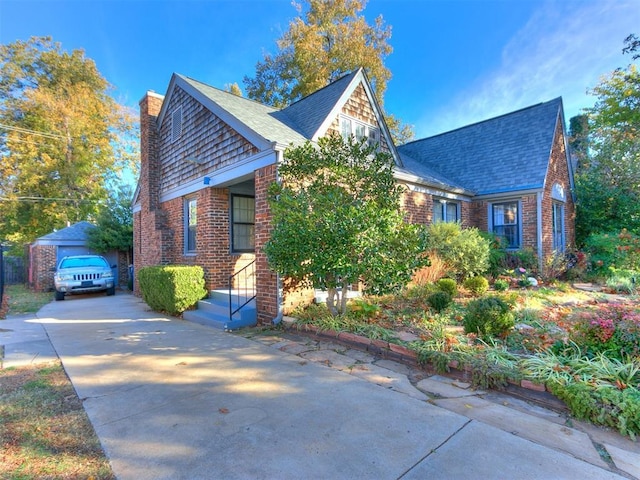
454	62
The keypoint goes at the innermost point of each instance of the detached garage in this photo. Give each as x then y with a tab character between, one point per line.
48	250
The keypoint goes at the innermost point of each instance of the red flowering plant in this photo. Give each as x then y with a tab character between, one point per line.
612	329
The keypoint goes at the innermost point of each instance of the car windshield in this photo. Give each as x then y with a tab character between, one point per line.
80	262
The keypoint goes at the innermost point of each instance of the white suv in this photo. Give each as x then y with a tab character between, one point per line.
83	274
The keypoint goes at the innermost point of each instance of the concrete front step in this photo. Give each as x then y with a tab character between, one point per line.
214	312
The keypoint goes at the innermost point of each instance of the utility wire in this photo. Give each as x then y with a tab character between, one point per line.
51	199
31	132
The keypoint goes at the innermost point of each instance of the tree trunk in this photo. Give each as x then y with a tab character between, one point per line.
343	303
331	300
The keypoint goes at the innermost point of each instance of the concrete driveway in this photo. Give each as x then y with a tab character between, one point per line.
175	400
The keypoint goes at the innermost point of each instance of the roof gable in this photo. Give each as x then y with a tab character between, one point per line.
254	121
312	112
506	153
315	113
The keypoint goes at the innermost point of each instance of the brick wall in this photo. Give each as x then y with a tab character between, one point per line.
267	280
43	259
418	207
558	173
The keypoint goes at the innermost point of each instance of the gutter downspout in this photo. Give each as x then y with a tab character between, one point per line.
539	229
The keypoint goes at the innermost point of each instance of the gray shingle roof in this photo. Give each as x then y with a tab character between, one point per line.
506	153
256	116
412	166
308	113
77	231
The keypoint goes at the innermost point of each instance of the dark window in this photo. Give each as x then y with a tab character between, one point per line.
506	224
191	225
243	214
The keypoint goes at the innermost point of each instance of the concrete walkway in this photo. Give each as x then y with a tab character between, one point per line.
175	400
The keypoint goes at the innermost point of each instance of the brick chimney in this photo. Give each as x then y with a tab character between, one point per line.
147	234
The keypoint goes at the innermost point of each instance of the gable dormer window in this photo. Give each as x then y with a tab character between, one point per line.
176	124
350	127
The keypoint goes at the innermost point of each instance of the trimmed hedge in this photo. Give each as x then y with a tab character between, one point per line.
171	288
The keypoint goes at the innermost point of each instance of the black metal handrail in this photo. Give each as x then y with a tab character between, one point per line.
245	276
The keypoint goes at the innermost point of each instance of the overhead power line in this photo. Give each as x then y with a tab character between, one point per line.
32	132
50	199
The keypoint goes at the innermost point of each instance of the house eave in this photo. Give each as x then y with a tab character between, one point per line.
509	192
223	177
437	186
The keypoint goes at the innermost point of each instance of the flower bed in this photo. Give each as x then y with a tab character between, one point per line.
583	350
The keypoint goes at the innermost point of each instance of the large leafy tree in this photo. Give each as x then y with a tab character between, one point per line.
337	221
330	40
63	140
608	183
114	224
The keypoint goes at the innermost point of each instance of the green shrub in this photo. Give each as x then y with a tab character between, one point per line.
476	285
488	316
608	406
171	288
501	285
623	281
618	250
363	309
464	251
502	260
448	285
439	301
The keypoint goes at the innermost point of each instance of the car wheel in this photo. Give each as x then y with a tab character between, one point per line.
59	295
111	291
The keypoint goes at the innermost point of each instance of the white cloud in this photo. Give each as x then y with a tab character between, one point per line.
564	49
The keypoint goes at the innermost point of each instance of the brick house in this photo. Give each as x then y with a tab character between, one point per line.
516	174
208	157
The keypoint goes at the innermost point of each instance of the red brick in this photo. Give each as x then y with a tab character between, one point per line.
353	338
529	385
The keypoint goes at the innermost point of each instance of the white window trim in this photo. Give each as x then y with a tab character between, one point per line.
563	240
490	218
372	133
187	202
444	202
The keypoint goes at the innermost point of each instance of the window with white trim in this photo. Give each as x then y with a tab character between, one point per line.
558	227
506	223
243	214
359	130
190	224
445	211
557	217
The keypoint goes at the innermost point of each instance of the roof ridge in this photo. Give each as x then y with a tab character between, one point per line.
330	84
191	79
486	120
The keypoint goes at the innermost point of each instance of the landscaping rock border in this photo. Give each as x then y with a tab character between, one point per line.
524	389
